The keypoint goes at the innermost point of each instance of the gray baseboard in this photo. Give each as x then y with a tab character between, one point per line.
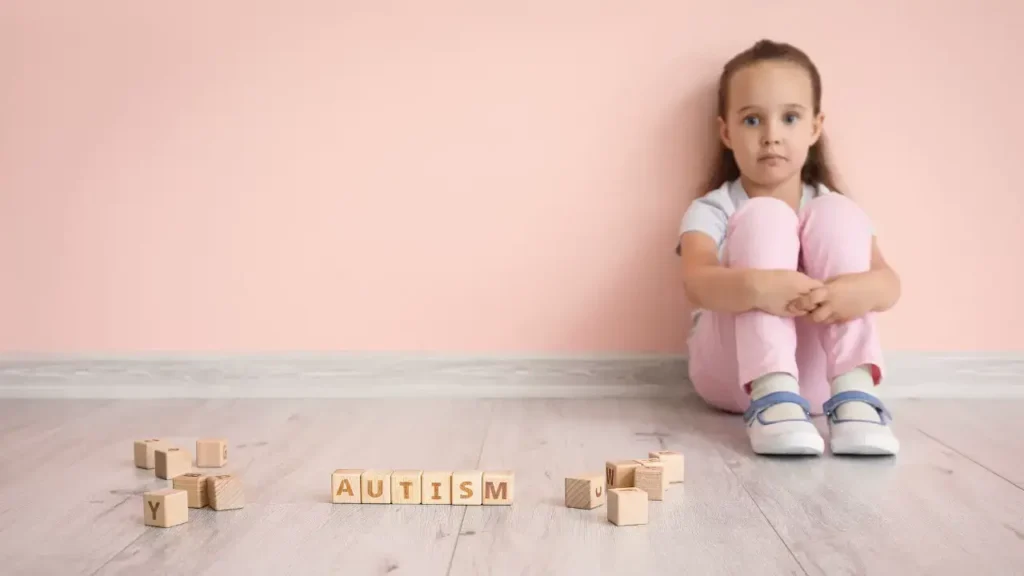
372	375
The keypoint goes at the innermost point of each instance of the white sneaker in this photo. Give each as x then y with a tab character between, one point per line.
860	437
788	437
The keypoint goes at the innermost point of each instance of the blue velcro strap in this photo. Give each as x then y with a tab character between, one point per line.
769	400
830	405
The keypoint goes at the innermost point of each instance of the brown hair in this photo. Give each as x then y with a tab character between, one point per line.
816	168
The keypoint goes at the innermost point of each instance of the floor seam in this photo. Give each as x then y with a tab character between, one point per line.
969	459
462	522
766	519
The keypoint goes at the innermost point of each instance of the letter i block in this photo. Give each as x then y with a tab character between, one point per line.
345	486
499	488
165	508
467	488
405	486
437	487
376	487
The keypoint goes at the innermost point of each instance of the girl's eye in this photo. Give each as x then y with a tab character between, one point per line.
751	121
790	117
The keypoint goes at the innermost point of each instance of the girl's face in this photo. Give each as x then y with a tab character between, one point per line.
770	123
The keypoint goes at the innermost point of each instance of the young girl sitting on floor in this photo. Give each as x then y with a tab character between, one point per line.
784	271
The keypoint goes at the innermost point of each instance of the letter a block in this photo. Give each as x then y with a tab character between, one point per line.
165	508
585	492
467	488
345	486
376	487
499	488
405	487
437	487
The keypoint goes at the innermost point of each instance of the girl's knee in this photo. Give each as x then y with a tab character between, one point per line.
833	217
766	210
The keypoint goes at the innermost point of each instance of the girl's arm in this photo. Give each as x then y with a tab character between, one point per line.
707	283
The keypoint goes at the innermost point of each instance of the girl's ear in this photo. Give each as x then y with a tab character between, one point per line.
819	127
723	133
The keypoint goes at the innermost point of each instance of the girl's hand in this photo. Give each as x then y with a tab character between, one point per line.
775	290
841	299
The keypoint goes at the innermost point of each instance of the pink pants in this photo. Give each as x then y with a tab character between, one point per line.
831	236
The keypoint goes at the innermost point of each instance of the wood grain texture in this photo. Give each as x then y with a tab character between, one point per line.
942	506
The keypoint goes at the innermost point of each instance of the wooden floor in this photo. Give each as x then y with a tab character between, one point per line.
70	497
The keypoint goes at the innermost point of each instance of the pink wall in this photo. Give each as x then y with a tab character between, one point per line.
452	176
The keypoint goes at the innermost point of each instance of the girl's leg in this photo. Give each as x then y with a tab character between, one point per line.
763	234
836	239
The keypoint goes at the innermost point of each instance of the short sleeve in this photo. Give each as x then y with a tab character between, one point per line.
706	214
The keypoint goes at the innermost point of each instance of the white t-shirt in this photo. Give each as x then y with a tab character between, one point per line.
711	213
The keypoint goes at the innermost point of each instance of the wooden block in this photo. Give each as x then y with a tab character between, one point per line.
406	487
211	453
345	486
467	488
145	452
620	474
437	487
653	480
627	506
585	492
649	462
171	462
376	487
165	508
225	492
499	487
194	484
673	464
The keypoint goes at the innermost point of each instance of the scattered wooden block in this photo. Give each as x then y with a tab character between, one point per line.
437	487
585	492
376	487
346	486
467	488
145	452
224	492
406	487
649	461
165	508
653	480
194	484
211	453
674	467
499	488
621	474
171	462
627	506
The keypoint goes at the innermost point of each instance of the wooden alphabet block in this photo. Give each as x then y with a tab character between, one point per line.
406	487
211	453
621	474
649	462
194	484
225	492
499	487
171	462
376	487
467	488
627	506
165	508
585	492
673	461
346	486
145	452
437	487
653	480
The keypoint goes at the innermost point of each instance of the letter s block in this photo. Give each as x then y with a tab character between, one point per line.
467	488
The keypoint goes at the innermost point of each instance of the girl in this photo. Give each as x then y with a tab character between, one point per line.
784	271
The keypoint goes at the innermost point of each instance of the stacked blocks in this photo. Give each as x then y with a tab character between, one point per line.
628	486
459	488
169	507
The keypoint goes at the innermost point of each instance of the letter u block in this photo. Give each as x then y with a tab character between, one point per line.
376	487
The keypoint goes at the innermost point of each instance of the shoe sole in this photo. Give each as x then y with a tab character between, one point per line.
866	446
791	445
